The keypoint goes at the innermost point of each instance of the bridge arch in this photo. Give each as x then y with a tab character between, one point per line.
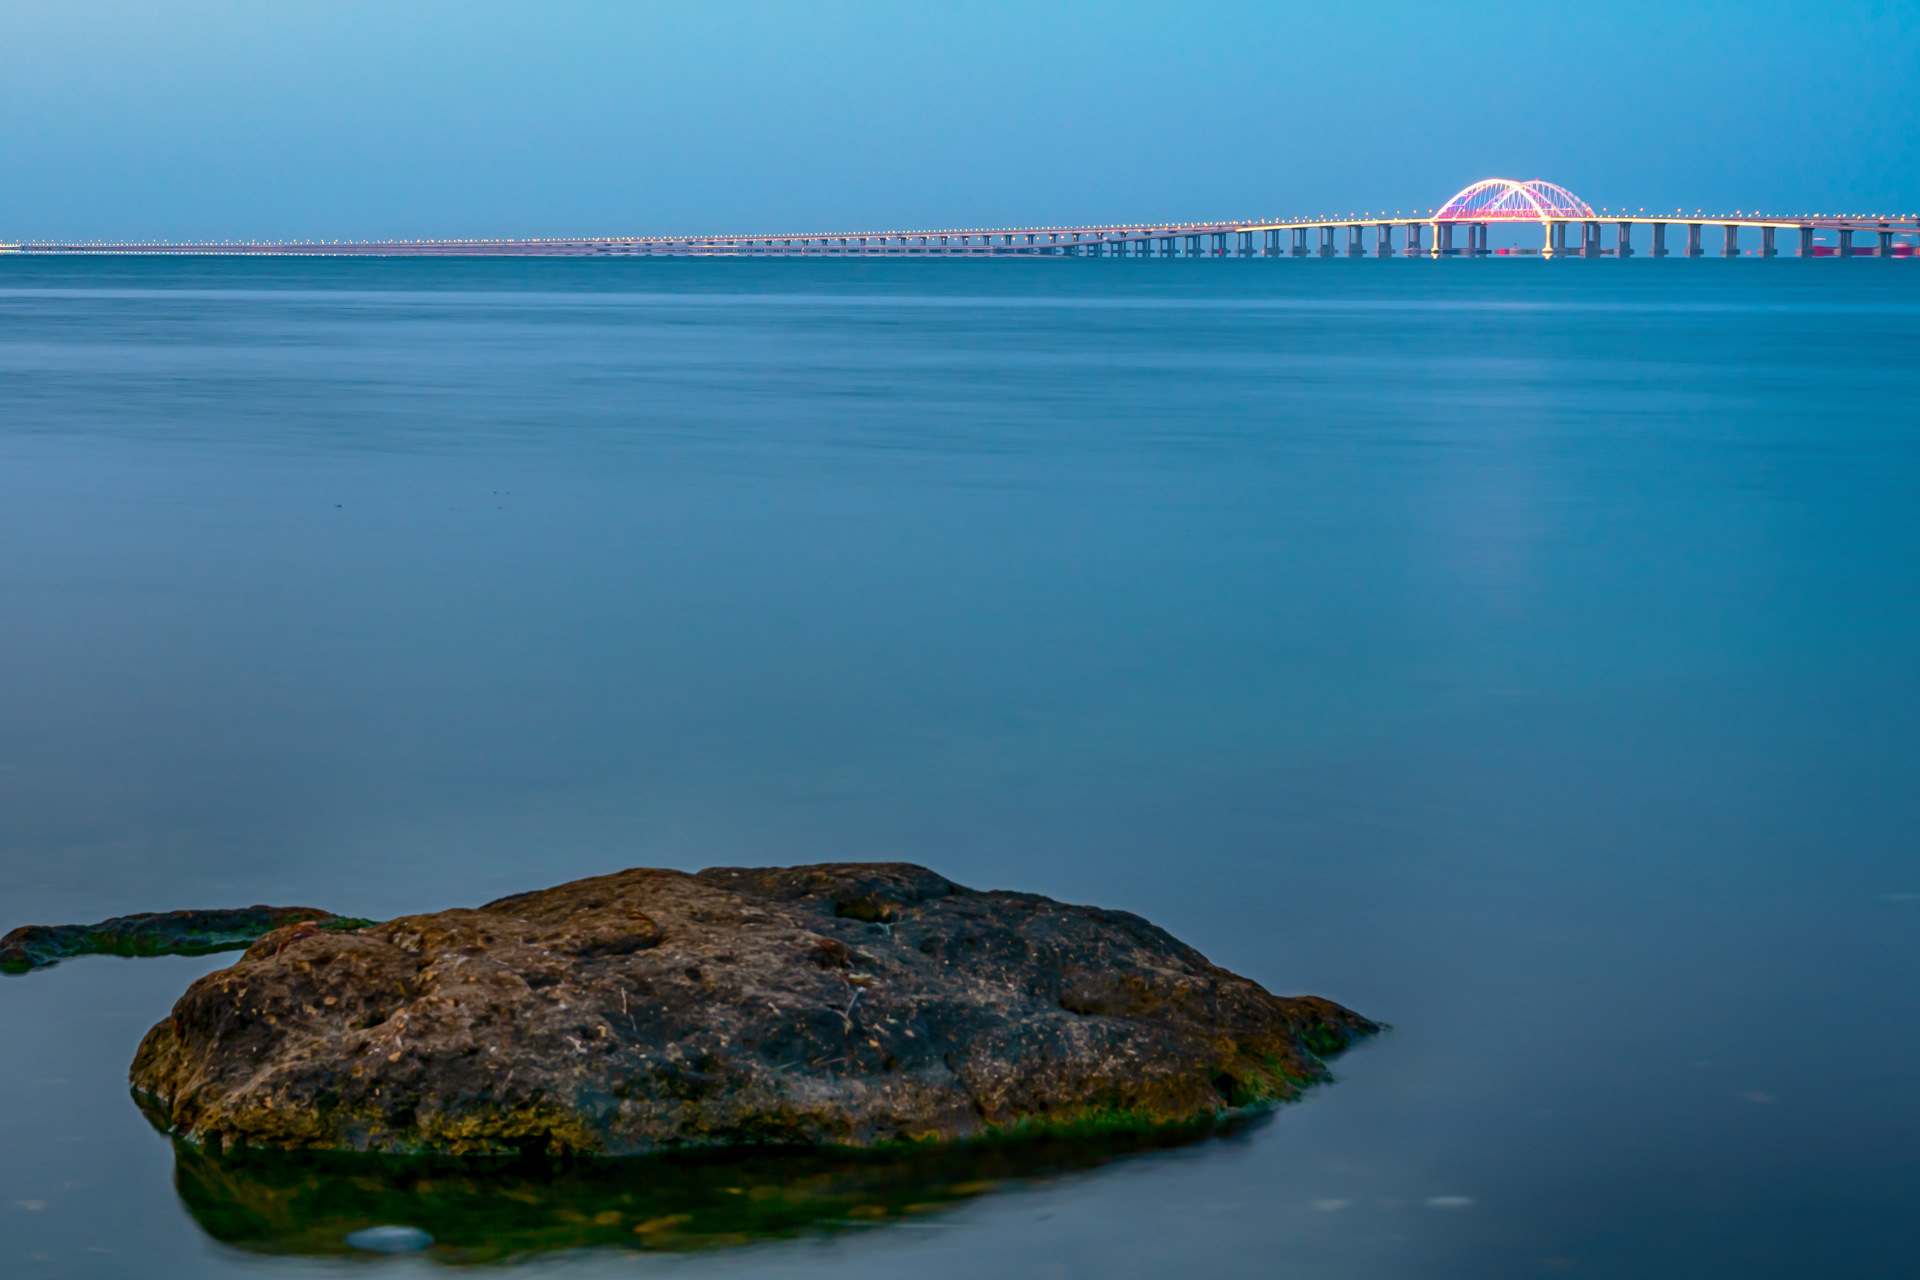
1507	200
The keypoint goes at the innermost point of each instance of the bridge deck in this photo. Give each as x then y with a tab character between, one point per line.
1209	239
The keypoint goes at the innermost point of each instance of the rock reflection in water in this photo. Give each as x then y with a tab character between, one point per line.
476	1211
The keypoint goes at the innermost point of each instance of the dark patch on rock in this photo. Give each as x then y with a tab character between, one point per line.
157	933
652	1009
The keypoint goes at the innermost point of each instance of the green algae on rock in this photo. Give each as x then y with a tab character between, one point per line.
481	1210
845	1004
157	933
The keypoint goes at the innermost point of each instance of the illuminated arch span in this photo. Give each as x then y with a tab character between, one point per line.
1504	200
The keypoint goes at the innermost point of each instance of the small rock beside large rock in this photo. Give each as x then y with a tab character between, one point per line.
849	1003
157	933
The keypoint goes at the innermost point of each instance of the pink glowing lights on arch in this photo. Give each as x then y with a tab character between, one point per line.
1504	200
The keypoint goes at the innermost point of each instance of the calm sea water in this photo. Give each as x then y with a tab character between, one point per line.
1521	653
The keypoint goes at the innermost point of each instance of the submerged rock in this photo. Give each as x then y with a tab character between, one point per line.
847	1004
157	933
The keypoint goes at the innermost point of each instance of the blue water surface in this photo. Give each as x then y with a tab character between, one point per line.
1522	653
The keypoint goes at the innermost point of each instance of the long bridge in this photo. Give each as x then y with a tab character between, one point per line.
1459	228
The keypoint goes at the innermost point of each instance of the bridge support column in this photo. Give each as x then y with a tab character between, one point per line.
1443	239
1659	239
1805	249
1326	242
1732	247
1356	248
1766	243
1886	244
1556	239
1846	242
1413	238
1589	239
1299	242
1693	240
1383	240
1624	248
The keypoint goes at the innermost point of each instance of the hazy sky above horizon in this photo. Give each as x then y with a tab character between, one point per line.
215	118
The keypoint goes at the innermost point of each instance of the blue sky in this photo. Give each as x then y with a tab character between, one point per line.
575	117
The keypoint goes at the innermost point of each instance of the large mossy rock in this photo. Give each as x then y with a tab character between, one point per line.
852	1004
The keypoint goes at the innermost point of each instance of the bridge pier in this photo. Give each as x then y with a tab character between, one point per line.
1413	238
1846	242
1806	243
1356	246
1766	243
1556	239
1693	240
1659	240
1886	244
1590	240
1732	247
1326	242
1443	239
1383	240
1624	247
1299	242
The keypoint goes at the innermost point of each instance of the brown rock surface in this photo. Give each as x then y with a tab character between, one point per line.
848	1003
